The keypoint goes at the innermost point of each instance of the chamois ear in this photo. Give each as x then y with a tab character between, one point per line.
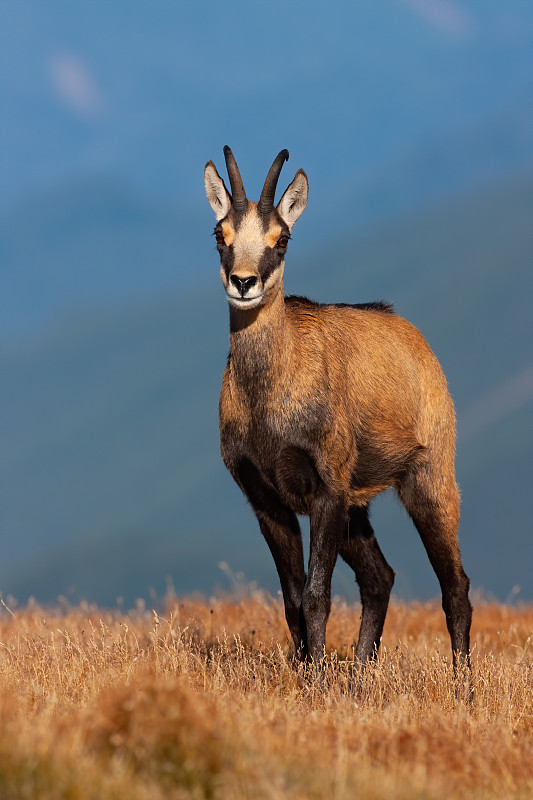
217	194
294	200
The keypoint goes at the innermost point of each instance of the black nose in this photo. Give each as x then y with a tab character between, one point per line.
243	284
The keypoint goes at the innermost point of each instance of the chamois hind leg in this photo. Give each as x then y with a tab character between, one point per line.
433	503
375	577
280	527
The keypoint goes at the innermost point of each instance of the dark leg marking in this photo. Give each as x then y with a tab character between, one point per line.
328	520
436	517
281	530
375	577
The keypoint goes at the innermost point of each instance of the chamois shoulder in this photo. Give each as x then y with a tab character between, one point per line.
297	302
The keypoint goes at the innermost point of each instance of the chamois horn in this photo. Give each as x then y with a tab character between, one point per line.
238	195
266	201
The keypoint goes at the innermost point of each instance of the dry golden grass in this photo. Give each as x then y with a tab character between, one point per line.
203	702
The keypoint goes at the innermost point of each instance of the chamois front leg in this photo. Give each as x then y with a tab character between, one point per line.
285	543
279	525
328	519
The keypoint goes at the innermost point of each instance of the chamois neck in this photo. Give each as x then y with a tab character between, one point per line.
261	344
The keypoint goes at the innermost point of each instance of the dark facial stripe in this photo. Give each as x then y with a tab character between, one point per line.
227	260
269	262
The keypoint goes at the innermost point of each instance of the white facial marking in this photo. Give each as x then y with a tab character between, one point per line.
246	302
274	278
249	244
248	247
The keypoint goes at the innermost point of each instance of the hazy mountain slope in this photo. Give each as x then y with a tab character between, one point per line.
112	477
90	242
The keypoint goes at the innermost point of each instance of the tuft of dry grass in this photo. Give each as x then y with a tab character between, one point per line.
204	701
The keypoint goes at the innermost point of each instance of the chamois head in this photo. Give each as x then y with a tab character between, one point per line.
252	237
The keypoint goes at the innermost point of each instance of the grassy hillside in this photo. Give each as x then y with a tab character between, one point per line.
111	469
204	702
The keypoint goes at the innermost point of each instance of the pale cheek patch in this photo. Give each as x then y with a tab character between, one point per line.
223	276
274	278
272	235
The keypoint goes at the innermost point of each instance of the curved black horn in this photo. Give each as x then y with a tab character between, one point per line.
266	201
238	195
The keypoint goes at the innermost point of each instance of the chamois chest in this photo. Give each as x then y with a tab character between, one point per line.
278	436
254	426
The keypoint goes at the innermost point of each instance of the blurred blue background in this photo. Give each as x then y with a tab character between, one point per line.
412	121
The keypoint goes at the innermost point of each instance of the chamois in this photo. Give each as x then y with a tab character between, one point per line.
322	408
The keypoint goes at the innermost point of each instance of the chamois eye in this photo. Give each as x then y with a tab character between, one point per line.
283	241
219	238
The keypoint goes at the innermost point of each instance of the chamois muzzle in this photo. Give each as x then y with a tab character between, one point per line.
243	284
